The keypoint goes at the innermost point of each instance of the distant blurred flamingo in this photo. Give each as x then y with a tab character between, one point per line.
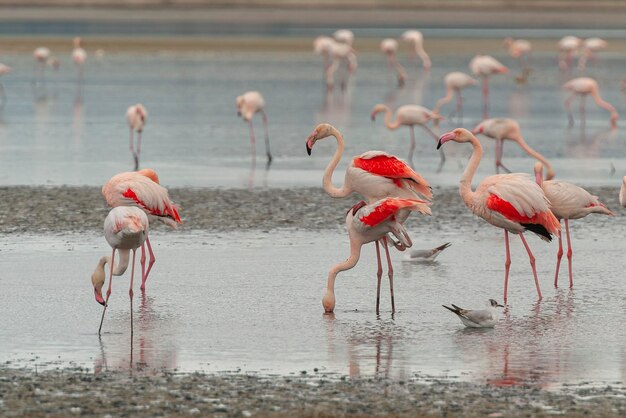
568	47
568	201
125	229
342	53
372	222
136	116
485	66
79	56
41	55
4	69
520	49
410	115
248	104
503	129
455	82
513	202
323	45
142	189
390	48
416	39
344	36
589	51
582	86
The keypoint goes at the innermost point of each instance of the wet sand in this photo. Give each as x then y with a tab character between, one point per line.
67	393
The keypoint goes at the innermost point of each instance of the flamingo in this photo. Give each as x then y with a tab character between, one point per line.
520	49
136	116
390	48
410	115
41	55
455	82
372	222
416	39
582	86
341	52
503	129
125	229
4	69
568	47
344	36
622	193
323	45
142	189
484	66
79	56
568	201
248	104
590	47
512	202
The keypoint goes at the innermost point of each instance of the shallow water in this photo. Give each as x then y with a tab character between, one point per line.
252	302
61	133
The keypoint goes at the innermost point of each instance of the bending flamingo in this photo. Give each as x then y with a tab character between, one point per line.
367	223
568	47
484	66
582	86
390	48
416	39
125	229
344	36
520	49
248	104
455	82
142	189
136	116
342	53
410	115
589	50
512	202
42	57
323	45
568	201
4	69
79	56
508	129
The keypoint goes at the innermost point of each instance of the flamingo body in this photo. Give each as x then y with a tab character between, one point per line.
323	45
485	65
136	116
4	69
518	47
416	39
250	103
41	54
583	86
344	36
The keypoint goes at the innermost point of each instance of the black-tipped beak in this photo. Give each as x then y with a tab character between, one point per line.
439	143
308	149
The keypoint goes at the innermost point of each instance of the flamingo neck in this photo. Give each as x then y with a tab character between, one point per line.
549	170
445	99
122	262
327	180
465	185
388	123
600	102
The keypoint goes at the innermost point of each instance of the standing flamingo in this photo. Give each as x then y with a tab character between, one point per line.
485	66
455	82
416	39
136	116
342	53
520	49
323	45
41	55
589	50
568	47
410	115
372	222
142	189
125	229
344	36
568	201
390	48
503	129
79	56
582	86
512	202
248	104
4	69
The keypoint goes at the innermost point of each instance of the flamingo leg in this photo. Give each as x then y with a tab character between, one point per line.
485	97
130	292
3	97
267	138
106	302
150	264
390	273
459	107
442	156
507	263
569	254
568	108
532	264
130	142
582	109
252	140
559	255
379	274
412	146
499	153
142	260
139	142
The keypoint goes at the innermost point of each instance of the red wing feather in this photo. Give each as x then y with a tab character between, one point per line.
169	211
504	208
386	209
391	167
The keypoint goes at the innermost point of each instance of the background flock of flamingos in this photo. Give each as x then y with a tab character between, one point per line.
392	189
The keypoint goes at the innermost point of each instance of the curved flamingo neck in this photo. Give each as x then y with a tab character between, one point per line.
122	262
549	170
465	185
327	180
445	99
600	102
388	123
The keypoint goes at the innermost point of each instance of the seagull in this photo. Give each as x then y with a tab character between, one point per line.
426	255
477	318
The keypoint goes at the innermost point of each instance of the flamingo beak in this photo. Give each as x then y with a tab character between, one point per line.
445	138
98	293
373	117
310	141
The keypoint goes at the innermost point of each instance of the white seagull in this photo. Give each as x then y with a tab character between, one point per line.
484	318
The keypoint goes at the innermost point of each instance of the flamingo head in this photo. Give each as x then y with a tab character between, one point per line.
457	135
240	101
614	117
328	301
150	173
479	129
538	169
97	279
508	42
141	112
377	109
321	131
494	304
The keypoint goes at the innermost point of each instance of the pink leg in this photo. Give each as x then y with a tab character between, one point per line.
459	107
582	109
412	146
390	272
568	108
507	263
142	260
150	264
252	141
559	255
267	138
485	97
532	264
130	292
138	142
106	302
130	142
379	274
569	254
499	153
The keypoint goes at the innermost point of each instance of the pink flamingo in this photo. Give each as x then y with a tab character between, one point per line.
390	48
248	104
568	201
341	52
455	82
125	229
590	48
4	70
41	55
323	45
344	36
416	39
508	129
622	192
410	115
568	47
372	222
582	86
136	116
485	66
512	202
142	189
79	56
520	49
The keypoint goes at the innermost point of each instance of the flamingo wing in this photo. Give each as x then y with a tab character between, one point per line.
372	215
568	200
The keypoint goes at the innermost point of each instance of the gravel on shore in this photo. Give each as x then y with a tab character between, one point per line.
78	393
